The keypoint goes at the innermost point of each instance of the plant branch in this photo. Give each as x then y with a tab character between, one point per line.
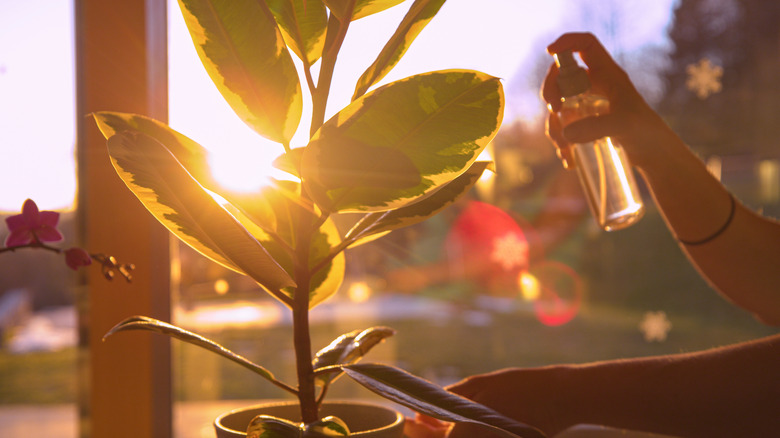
309	77
281	296
337	30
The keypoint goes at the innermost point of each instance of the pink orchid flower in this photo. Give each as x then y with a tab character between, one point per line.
32	226
77	257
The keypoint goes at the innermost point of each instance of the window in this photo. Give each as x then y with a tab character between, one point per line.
38	335
586	294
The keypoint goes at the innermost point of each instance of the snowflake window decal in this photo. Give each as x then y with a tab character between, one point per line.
655	326
704	78
510	251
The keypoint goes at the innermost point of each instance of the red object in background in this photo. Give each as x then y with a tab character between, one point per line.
487	246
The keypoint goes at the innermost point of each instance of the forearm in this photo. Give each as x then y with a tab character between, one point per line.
741	261
728	392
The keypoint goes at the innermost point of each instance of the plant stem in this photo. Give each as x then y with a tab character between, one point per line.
309	404
301	334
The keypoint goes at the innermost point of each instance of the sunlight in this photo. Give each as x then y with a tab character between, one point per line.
41	158
239	314
244	170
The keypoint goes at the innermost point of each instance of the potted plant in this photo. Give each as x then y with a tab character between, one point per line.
397	155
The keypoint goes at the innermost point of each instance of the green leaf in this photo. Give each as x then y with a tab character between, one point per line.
362	8
421	12
183	206
266	426
303	24
244	53
327	427
380	223
402	141
155	325
429	399
347	349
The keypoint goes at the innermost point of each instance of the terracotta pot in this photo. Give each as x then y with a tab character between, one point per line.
363	419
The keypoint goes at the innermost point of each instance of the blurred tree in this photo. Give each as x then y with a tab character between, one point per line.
742	37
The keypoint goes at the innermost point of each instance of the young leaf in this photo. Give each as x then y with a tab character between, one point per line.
421	12
155	325
266	426
362	9
182	205
425	397
376	223
402	141
244	53
303	24
347	349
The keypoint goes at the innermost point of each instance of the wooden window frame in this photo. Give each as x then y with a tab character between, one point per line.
121	65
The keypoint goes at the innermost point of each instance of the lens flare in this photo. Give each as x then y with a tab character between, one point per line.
530	289
558	289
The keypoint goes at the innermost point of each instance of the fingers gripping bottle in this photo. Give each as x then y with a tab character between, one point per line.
602	165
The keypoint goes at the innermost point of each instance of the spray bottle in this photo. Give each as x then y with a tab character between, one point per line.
602	165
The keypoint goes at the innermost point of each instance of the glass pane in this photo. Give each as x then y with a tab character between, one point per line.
38	355
492	282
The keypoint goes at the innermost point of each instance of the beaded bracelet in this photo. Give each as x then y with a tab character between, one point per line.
719	231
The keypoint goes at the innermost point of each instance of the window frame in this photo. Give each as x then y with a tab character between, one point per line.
121	65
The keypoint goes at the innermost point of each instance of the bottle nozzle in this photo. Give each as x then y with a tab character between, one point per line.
572	78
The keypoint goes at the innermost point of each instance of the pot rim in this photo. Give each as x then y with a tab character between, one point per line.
399	417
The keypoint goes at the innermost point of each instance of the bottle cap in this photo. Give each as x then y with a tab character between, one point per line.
572	78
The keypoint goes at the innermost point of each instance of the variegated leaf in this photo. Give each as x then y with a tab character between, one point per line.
362	8
244	53
347	349
183	206
266	426
192	156
377	224
188	152
423	396
155	325
402	141
303	24
327	427
421	12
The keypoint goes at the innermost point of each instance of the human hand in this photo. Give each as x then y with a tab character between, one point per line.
630	120
529	395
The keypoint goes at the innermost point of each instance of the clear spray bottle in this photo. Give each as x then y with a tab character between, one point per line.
602	165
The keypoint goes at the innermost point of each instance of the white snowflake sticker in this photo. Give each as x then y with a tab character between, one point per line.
655	326
510	251
704	78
